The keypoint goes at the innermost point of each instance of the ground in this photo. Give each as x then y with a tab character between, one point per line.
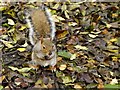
87	41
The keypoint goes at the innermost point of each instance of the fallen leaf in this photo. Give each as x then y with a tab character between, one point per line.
72	23
26	69
92	36
112	86
22	28
21	49
67	79
56	6
60	18
73	56
77	86
7	43
2	31
81	47
66	14
2	78
70	68
13	68
62	67
92	85
114	81
61	33
64	54
113	40
1	87
11	22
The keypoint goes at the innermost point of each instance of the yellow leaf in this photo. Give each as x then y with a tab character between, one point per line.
111	73
67	79
60	18
114	59
55	18
114	15
72	23
11	30
64	7
22	28
2	8
114	51
77	86
13	68
39	81
81	47
56	6
113	40
114	81
7	43
62	67
26	69
108	25
73	56
11	22
92	36
17	83
70	68
21	49
2	78
66	14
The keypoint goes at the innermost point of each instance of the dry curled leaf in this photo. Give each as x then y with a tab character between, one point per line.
62	67
61	33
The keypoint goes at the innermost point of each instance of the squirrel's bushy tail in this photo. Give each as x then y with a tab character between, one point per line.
51	22
31	27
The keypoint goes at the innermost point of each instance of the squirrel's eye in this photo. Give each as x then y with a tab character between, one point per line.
44	47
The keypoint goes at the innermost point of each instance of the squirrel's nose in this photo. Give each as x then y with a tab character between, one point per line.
50	53
46	57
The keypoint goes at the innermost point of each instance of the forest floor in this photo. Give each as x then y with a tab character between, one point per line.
87	41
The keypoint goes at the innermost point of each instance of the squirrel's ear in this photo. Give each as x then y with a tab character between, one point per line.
41	39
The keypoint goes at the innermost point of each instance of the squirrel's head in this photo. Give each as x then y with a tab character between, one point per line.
47	47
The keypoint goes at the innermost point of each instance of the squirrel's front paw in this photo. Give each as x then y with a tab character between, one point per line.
33	65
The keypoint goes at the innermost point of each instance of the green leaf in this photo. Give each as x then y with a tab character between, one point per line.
93	85
56	6
109	86
64	54
1	87
13	68
74	6
2	8
64	7
7	43
24	69
68	79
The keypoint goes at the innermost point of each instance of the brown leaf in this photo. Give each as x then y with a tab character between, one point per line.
2	31
61	33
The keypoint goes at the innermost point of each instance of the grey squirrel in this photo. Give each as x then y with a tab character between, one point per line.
44	50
